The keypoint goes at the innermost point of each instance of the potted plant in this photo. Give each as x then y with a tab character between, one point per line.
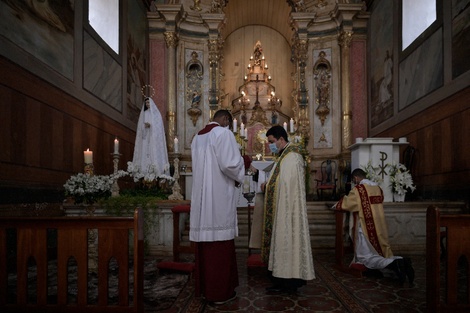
400	181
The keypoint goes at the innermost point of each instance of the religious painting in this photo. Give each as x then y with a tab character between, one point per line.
52	41
381	63
460	37
136	59
428	58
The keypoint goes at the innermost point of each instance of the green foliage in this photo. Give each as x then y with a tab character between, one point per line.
124	205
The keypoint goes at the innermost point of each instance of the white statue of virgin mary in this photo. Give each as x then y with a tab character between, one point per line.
150	154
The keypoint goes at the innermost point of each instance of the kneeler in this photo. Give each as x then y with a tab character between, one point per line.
341	249
176	264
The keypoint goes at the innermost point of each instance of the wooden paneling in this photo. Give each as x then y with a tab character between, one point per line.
441	136
44	131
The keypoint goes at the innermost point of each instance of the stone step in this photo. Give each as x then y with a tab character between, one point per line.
321	221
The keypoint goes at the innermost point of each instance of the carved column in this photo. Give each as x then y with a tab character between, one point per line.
171	40
214	58
345	15
214	21
301	20
301	49
172	15
344	40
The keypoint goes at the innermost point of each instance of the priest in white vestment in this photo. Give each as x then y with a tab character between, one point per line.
368	228
286	244
218	168
150	152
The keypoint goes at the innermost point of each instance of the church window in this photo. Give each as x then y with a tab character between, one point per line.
417	16
103	16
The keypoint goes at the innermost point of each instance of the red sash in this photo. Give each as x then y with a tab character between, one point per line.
369	218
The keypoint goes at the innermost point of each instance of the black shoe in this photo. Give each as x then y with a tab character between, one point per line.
409	270
398	267
291	290
373	273
275	288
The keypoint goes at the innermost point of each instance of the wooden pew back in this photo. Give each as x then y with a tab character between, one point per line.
457	230
72	242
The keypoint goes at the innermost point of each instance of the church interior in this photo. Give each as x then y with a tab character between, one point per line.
356	83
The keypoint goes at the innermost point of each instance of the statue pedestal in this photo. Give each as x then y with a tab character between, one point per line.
380	152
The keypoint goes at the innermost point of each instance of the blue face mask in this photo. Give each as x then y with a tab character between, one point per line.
273	148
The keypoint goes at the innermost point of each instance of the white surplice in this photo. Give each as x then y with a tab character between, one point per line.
217	166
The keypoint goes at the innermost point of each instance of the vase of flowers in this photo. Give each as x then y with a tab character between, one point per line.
372	173
400	181
150	178
88	189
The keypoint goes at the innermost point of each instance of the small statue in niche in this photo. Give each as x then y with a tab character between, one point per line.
195	100
274	118
258	51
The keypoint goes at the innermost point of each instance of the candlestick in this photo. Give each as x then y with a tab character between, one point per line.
115	186
291	124
176	148
235	125
242	130
285	126
88	156
116	146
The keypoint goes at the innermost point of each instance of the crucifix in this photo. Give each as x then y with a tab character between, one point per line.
257	91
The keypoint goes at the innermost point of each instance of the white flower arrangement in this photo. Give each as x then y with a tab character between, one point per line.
150	175
372	173
86	188
400	179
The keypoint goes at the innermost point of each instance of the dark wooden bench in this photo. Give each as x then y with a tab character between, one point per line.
457	231
343	246
31	237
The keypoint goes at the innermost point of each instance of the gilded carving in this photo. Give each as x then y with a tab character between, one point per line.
171	39
345	38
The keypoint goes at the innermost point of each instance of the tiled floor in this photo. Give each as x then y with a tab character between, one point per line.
331	291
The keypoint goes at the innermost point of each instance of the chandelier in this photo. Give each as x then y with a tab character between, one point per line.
257	95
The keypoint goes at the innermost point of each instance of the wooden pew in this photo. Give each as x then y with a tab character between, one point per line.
457	230
72	242
341	248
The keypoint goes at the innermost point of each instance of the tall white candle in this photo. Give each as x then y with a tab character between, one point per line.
234	125
285	126
176	147
116	146
242	129
291	124
88	156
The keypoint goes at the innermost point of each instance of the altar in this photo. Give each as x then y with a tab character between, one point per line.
377	154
